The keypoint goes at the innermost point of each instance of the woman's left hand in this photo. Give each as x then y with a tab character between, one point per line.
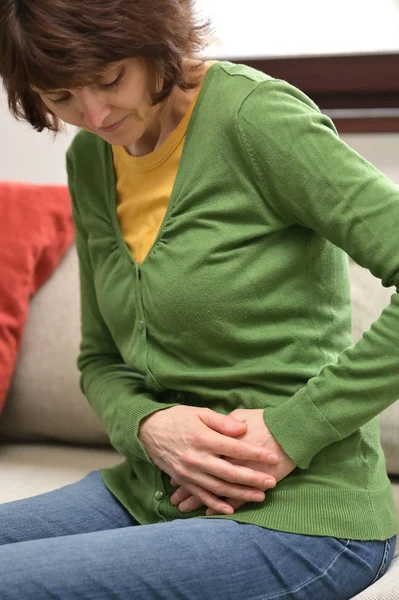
258	433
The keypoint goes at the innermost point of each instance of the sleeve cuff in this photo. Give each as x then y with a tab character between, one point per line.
140	407
300	428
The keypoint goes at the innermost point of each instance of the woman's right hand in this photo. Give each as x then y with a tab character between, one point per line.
188	443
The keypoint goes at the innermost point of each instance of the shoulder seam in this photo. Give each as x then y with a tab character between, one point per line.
247	75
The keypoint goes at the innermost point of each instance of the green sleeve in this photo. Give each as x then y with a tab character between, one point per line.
309	176
115	391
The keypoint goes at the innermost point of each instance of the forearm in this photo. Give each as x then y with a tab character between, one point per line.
344	396
118	397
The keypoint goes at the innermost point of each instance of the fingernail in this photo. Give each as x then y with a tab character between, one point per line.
269	483
258	497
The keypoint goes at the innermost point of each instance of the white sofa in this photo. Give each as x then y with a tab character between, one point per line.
49	436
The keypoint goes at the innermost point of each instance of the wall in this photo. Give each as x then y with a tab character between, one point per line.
368	25
290	27
27	155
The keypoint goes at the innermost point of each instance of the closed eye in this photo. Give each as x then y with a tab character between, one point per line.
60	100
115	82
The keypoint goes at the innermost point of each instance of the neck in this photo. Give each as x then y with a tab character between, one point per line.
167	117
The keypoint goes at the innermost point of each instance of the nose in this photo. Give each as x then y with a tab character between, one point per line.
94	110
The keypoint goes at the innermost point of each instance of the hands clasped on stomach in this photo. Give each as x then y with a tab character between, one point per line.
214	460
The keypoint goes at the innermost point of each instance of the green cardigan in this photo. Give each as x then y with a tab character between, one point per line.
244	301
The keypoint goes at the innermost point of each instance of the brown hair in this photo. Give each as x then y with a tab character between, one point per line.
54	44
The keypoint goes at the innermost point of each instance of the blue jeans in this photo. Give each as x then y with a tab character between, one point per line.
79	542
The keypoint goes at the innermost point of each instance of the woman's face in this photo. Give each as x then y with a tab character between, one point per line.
116	107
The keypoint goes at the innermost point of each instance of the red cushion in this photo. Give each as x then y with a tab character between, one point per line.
36	229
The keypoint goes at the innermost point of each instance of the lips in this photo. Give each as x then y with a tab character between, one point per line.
112	127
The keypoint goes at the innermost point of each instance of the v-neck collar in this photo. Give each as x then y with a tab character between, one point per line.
111	195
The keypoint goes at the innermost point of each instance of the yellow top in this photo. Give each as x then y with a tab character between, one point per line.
143	188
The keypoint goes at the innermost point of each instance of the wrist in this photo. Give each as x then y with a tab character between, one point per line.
146	424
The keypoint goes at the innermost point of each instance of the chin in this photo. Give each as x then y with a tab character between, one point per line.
119	137
115	138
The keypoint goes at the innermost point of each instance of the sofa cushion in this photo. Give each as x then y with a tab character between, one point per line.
45	401
28	470
369	298
36	228
395	489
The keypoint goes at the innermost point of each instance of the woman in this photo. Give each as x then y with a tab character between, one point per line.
213	207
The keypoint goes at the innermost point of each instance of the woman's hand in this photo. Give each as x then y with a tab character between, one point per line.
257	433
188	444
